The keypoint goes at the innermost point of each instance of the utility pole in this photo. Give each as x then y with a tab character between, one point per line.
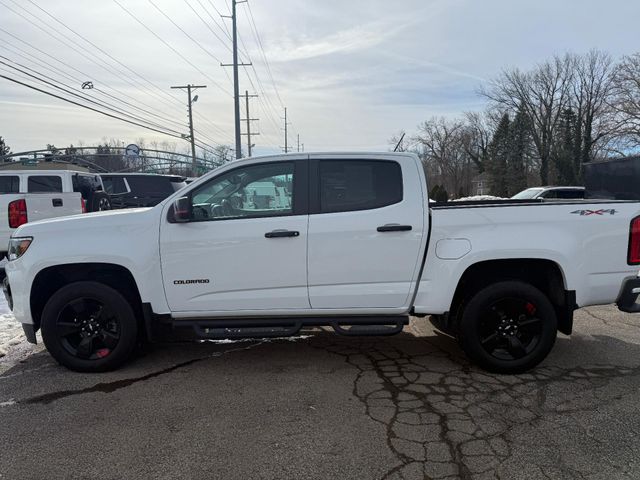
286	132
191	138
249	120
298	143
235	65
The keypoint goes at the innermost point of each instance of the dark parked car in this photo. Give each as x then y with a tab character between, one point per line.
130	190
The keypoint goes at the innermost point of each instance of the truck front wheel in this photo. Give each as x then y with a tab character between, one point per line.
89	327
508	327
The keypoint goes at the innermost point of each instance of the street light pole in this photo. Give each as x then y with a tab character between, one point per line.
192	138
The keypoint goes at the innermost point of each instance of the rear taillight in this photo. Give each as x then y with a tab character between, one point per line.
17	213
633	254
84	205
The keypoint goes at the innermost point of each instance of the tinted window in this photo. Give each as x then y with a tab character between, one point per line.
347	185
9	184
114	185
150	185
571	193
254	191
44	183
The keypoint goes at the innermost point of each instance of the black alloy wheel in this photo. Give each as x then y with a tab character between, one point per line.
508	327
89	327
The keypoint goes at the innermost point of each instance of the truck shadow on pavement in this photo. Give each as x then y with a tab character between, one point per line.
442	417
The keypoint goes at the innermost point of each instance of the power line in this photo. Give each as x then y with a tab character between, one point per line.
103	52
83	97
86	55
170	47
87	107
124	76
187	35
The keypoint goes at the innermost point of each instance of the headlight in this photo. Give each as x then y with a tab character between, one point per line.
17	247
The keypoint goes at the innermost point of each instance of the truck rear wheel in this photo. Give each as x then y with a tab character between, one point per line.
99	201
89	327
508	327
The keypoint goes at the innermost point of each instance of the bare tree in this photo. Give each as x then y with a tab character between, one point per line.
542	94
627	98
593	92
443	151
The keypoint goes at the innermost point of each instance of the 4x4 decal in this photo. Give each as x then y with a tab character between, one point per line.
609	211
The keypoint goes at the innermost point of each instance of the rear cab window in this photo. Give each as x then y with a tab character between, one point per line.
9	184
352	185
44	184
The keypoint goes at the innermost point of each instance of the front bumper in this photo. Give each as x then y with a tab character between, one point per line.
29	329
627	299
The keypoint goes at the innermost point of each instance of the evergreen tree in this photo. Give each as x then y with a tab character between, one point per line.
438	193
566	154
497	164
4	148
518	145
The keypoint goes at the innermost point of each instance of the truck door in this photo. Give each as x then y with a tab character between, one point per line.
244	249
366	231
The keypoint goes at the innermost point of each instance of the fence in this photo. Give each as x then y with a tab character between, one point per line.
116	159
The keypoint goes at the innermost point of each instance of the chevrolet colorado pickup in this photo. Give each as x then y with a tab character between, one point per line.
267	246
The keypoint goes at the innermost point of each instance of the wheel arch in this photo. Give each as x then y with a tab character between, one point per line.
546	275
51	279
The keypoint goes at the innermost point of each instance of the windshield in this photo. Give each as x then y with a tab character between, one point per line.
528	193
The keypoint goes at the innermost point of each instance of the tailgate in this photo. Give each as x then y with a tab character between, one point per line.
49	205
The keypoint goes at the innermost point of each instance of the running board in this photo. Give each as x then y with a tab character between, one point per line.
266	327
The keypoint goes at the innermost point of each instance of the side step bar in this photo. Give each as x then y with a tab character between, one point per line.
234	328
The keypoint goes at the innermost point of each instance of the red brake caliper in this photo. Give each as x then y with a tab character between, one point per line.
530	308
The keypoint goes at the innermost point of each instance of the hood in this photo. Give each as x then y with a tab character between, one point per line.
107	218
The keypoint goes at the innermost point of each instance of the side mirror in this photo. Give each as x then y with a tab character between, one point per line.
181	210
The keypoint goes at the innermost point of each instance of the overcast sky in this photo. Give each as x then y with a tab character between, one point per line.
352	73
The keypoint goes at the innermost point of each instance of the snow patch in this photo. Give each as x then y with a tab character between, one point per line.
262	340
478	198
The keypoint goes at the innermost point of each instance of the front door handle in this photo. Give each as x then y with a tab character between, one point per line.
282	233
57	202
394	227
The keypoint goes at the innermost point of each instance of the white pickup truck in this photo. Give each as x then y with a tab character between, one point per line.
355	245
29	195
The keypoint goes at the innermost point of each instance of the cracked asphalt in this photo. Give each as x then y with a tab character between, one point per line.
324	406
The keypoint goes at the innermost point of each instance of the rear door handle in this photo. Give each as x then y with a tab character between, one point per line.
57	202
282	233
394	227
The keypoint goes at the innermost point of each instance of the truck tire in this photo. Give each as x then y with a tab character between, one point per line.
508	327
99	201
89	327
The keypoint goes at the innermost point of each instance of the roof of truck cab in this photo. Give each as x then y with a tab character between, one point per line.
43	166
36	171
302	156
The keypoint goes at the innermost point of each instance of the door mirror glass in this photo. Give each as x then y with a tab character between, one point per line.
181	210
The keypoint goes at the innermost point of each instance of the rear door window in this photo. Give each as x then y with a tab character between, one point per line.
114	185
9	184
150	185
351	185
44	184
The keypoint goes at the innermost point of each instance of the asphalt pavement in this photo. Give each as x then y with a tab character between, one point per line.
329	407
